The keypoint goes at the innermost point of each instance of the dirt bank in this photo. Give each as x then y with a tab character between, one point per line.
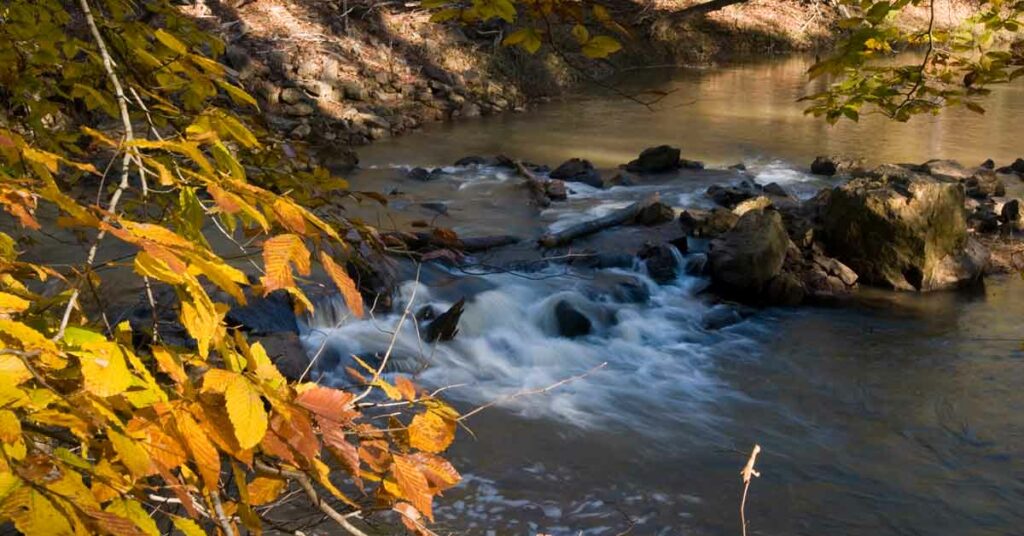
343	73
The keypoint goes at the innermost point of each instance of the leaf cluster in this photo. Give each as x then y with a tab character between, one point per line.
120	125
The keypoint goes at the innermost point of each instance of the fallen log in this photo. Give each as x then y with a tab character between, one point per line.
536	186
619	217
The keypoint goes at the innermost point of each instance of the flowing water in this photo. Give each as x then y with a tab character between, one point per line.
898	414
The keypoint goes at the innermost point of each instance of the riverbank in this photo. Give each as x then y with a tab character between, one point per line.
341	75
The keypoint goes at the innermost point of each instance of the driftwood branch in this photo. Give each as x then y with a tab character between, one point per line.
619	217
536	186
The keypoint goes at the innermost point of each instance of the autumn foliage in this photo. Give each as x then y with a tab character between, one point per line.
118	125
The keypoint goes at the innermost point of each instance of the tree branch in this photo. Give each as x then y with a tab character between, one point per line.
307	486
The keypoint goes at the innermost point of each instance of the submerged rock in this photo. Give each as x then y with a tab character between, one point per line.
897	232
744	259
571	322
661	263
660	159
656	213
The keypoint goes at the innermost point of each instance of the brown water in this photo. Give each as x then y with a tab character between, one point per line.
721	116
900	415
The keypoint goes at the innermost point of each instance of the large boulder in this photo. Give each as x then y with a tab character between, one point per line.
897	231
661	263
578	170
747	257
658	159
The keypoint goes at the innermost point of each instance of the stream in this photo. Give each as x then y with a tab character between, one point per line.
898	414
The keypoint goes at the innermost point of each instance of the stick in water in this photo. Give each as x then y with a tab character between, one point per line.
748	473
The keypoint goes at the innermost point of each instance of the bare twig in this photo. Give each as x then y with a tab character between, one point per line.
748	473
528	392
394	339
129	135
222	518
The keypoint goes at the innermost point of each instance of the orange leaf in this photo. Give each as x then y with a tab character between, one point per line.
326	402
290	216
413	484
204	454
279	253
430	432
345	284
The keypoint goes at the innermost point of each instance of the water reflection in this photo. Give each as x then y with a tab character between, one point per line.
739	112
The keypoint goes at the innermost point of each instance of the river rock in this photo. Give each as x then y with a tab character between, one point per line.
730	196
285	350
963	267
660	159
619	287
1010	214
292	95
834	165
744	259
422	174
983	219
699	223
720	316
897	232
619	179
984	183
660	260
773	189
571	322
656	213
578	170
988	164
1018	166
946	169
754	203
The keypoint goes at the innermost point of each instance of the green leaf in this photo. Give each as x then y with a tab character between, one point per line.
601	46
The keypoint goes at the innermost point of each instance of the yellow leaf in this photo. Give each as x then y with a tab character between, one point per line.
226	277
279	253
245	409
34	513
263	490
237	94
204	454
169	364
133	456
10	435
187	526
147	265
345	284
9	304
580	33
290	216
529	39
131	509
104	371
170	41
601	46
430	432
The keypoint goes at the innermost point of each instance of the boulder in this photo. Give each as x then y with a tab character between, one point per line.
571	322
660	159
896	232
988	164
578	170
1018	166
424	175
835	165
656	213
660	260
690	164
748	256
699	223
